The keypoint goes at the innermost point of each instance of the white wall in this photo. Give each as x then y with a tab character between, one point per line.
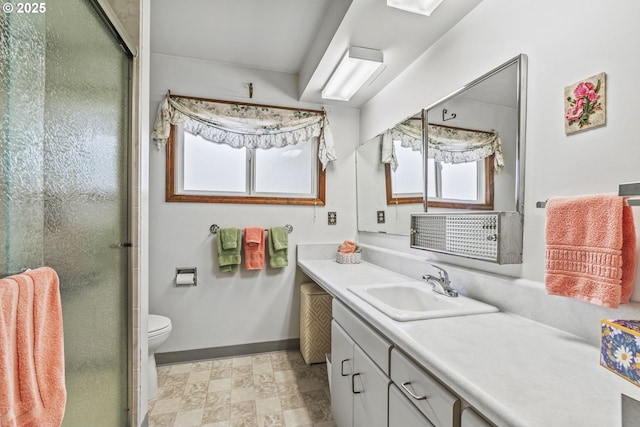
250	306
565	41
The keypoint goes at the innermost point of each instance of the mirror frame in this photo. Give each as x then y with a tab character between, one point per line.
521	89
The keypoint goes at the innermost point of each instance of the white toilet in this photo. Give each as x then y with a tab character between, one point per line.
158	332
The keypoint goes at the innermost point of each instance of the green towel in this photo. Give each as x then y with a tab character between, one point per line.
229	238
278	247
229	243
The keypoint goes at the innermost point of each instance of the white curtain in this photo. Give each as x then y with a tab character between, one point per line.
242	125
409	133
451	145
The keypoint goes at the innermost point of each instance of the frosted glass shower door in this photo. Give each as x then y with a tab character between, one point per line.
65	107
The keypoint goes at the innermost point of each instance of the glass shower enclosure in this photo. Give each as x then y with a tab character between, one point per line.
64	141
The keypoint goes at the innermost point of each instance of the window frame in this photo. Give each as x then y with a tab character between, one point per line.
172	194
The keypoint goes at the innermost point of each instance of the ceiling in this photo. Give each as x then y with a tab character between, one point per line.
306	38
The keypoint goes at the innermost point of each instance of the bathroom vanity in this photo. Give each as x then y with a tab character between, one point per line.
494	368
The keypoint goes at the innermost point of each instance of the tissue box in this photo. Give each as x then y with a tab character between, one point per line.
620	348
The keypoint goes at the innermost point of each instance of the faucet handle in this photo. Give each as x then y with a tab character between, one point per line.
443	273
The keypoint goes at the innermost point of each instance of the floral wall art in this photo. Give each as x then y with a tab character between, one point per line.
584	104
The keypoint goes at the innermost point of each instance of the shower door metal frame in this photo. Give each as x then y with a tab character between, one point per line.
134	359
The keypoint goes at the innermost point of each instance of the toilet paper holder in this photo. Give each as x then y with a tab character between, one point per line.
186	276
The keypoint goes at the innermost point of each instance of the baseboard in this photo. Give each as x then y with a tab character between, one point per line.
185	356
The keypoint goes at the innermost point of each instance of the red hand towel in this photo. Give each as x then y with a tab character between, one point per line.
591	244
254	248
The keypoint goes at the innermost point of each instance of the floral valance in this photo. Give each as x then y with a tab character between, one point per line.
409	133
452	145
244	125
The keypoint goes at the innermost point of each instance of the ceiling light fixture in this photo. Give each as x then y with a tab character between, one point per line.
423	7
355	68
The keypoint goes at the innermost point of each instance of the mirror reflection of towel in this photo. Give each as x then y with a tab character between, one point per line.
278	247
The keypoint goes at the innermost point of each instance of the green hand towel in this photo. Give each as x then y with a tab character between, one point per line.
229	237
278	247
229	258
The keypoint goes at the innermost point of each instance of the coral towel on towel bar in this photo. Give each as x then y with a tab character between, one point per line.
591	249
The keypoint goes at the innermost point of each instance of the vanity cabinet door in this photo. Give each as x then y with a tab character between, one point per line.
403	413
470	418
341	371
370	388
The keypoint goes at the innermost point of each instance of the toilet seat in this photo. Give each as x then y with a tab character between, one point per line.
158	325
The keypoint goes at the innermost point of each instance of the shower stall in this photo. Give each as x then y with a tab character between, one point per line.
65	107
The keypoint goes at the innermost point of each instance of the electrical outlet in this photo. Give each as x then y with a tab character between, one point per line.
380	215
332	218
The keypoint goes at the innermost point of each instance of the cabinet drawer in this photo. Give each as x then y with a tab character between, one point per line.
437	403
376	347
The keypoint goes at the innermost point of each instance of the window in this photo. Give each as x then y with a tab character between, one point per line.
202	171
466	185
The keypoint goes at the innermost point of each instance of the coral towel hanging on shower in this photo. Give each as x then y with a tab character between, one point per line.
32	387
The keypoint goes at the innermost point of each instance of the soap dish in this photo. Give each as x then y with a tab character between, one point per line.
353	258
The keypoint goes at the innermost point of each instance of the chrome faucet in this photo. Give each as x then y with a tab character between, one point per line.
441	285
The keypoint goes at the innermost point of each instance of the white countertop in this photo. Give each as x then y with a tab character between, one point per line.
515	371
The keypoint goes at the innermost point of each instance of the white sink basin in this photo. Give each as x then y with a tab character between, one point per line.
416	301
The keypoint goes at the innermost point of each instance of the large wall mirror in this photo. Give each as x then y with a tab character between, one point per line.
390	183
475	160
474	169
475	138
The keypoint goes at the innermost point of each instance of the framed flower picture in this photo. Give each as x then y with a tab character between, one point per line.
584	104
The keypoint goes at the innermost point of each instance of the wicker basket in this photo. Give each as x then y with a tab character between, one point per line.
353	258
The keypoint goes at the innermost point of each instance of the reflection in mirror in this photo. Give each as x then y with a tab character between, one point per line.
402	146
458	178
473	160
390	183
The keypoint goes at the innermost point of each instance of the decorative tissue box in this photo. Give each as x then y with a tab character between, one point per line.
620	348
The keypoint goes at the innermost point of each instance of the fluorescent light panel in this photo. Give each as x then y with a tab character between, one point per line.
423	7
355	68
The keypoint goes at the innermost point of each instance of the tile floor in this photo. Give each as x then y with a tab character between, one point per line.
270	389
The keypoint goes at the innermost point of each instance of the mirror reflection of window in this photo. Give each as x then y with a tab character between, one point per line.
467	185
460	181
406	180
